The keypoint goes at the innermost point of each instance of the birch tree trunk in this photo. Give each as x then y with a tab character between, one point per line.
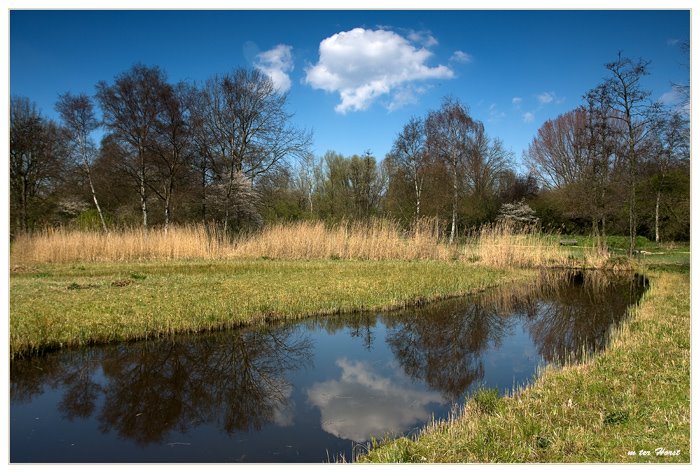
656	217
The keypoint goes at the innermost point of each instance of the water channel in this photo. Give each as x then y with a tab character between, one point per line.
310	391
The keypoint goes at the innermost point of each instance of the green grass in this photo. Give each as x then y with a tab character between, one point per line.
56	305
651	255
633	397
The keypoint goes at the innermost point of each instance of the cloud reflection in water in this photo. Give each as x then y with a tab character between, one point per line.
363	403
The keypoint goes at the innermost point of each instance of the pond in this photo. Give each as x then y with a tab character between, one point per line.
311	391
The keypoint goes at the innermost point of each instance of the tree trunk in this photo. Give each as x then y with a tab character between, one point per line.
204	194
656	217
453	230
419	189
94	198
23	206
226	218
166	223
604	235
633	214
86	166
142	191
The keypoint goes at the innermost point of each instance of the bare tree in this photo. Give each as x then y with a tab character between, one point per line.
604	164
450	134
671	148
308	178
556	155
366	184
683	89
576	153
244	128
131	107
409	153
203	148
79	122
631	107
171	142
35	158
486	160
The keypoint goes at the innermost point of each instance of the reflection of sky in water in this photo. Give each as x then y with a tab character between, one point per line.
304	392
512	363
283	412
364	403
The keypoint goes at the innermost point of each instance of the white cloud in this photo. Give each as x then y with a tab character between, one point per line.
670	97
405	95
528	117
277	63
424	38
362	65
362	403
546	97
675	100
517	101
461	56
495	115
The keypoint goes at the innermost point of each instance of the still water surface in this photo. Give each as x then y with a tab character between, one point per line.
309	391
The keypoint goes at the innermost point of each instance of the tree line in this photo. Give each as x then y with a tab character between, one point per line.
226	152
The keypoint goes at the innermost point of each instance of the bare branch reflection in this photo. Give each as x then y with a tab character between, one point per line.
241	380
442	345
235	379
567	314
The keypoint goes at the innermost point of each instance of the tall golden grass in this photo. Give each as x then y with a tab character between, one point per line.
61	245
498	245
504	245
374	240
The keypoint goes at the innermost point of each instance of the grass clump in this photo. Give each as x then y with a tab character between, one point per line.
486	401
633	397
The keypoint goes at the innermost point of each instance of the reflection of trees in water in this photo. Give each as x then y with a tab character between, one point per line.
565	313
238	378
575	314
81	391
235	378
360	324
29	376
442	344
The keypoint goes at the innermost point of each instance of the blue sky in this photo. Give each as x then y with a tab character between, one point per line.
355	77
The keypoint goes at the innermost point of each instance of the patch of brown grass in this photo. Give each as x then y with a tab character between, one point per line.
374	240
494	246
61	245
502	245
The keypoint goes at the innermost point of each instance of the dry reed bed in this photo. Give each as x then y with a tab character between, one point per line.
498	245
60	245
501	245
376	240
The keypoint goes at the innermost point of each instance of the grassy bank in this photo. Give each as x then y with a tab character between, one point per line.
634	397
53	305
